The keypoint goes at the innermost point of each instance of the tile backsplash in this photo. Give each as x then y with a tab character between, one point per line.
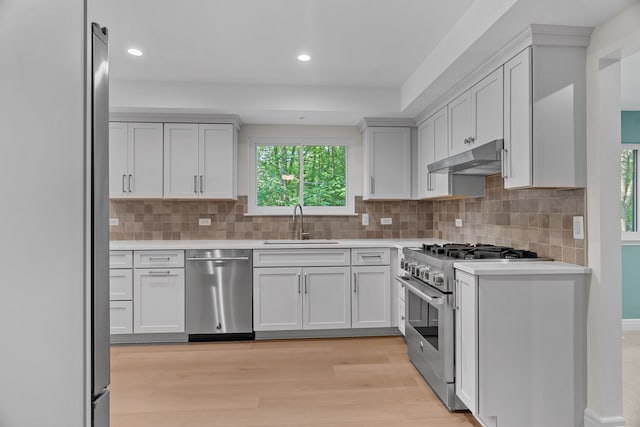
540	220
178	220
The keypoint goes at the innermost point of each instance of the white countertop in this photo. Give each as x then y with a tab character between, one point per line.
260	244
495	268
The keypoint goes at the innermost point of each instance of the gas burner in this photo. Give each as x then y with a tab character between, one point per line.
476	251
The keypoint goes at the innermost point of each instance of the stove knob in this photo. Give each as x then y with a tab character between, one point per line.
437	279
426	272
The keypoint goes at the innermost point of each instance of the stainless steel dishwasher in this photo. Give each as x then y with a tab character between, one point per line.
219	294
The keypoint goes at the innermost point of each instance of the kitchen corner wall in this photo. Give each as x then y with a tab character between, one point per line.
540	220
178	220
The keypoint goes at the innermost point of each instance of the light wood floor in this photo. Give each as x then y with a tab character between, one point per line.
325	382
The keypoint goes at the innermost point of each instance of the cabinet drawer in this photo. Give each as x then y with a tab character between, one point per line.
120	259
120	284
301	257
375	256
156	259
121	317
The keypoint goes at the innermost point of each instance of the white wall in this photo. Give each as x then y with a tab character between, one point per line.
355	169
42	355
610	41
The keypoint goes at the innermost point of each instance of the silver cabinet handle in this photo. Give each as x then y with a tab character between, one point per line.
201	184
455	301
130	179
355	282
118	308
123	178
372	256
371	185
306	288
195	184
503	162
164	258
164	273
299	282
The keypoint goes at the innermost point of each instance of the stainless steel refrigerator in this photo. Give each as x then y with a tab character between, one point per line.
99	219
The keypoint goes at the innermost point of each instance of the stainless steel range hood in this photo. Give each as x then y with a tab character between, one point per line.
482	160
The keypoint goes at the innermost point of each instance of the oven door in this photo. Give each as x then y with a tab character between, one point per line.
429	331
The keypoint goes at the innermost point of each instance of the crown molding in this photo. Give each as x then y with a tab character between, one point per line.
177	118
386	122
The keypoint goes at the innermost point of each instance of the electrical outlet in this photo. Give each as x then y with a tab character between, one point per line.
578	227
204	221
386	221
458	222
114	221
365	219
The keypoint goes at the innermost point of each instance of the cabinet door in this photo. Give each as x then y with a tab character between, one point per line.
433	145
389	151
487	102
277	299
518	141
121	317
118	172
466	340
145	160
158	296
327	299
460	123
181	176
426	155
371	295
218	157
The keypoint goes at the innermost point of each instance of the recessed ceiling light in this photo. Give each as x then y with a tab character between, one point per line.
304	57
135	52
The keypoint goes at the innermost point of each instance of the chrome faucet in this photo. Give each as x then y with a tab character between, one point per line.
301	234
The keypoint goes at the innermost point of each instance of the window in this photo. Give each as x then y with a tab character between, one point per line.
310	171
629	191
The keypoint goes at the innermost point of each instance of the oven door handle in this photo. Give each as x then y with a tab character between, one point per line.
411	288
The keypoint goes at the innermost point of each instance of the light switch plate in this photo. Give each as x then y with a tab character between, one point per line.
114	221
458	222
204	221
365	219
578	227
386	221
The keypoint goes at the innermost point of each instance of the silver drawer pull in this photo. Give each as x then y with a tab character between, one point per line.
159	258
164	273
118	308
371	256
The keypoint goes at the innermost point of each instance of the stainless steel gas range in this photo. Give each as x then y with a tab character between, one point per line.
428	280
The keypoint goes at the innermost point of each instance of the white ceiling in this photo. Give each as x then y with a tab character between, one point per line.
369	57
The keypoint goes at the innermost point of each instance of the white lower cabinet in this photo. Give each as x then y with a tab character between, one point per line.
466	316
370	300
158	296
121	313
296	298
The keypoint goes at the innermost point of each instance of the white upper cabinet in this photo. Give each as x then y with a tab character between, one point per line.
200	161
387	163
544	118
181	161
135	160
476	115
433	140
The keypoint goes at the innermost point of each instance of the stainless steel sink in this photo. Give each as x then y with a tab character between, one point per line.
301	242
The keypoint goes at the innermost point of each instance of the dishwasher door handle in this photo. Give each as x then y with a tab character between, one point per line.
230	258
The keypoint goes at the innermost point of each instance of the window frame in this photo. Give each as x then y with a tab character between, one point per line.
632	235
255	141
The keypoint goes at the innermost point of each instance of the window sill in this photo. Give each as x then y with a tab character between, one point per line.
630	238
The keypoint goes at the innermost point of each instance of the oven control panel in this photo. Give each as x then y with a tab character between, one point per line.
422	272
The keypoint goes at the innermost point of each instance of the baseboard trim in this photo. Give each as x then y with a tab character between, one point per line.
631	324
327	333
593	420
